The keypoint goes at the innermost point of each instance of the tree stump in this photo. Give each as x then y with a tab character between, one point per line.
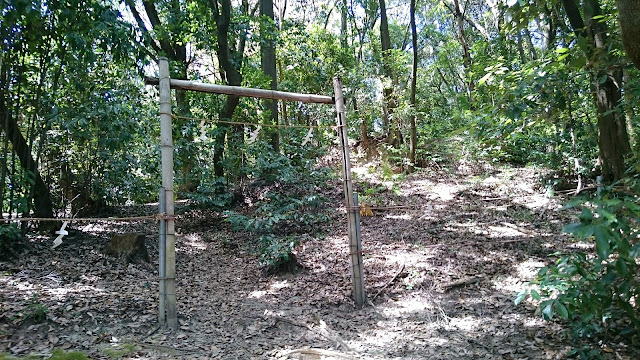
128	248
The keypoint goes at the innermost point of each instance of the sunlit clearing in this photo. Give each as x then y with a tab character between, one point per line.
529	268
467	323
503	231
408	305
27	289
400	217
257	294
279	285
97	227
194	242
445	192
63	292
525	271
534	201
534	322
581	245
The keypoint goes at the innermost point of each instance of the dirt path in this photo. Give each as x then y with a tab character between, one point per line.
441	279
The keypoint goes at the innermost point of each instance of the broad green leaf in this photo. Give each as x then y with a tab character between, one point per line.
521	296
622	268
581	231
484	79
603	247
585	215
535	295
547	309
571	228
562	310
607	215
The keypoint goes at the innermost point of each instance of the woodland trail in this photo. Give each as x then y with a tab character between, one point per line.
441	279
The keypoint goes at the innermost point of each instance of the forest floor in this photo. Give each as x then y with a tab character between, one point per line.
441	278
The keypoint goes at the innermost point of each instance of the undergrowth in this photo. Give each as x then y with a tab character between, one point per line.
285	205
597	292
56	354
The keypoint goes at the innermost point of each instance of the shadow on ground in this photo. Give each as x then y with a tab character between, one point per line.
441	279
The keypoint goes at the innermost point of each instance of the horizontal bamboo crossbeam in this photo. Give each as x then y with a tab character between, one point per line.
242	91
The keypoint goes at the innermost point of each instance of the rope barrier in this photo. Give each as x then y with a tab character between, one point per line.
395	207
254	124
156	217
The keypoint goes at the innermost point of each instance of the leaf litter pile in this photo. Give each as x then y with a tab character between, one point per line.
442	269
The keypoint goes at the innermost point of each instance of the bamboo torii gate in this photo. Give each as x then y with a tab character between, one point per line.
167	313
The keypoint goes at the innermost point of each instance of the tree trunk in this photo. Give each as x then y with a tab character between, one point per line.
343	25
282	9
466	53
613	140
629	15
629	112
43	206
413	136
268	66
228	58
176	52
388	93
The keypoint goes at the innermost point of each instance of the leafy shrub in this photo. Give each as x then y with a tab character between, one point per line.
212	194
287	206
598	293
56	354
36	311
11	240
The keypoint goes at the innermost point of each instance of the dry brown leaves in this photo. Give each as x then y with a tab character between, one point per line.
490	226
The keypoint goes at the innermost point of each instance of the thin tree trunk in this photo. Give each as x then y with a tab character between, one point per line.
413	135
532	49
268	66
613	140
388	93
228	58
343	24
523	58
283	104
628	109
43	206
466	53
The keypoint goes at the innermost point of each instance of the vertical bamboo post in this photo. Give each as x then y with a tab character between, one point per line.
162	258
357	205
167	183
355	246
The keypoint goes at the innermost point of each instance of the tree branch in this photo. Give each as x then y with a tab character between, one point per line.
145	32
152	14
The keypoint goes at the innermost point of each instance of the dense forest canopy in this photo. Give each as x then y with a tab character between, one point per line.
427	82
530	82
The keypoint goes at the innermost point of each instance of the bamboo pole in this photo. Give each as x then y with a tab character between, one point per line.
355	246
242	91
167	183
162	258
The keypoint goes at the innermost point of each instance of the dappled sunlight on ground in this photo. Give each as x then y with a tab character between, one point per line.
440	276
190	243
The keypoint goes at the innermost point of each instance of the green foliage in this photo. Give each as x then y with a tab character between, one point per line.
212	193
56	354
287	203
36	311
10	237
119	351
531	117
276	253
598	291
